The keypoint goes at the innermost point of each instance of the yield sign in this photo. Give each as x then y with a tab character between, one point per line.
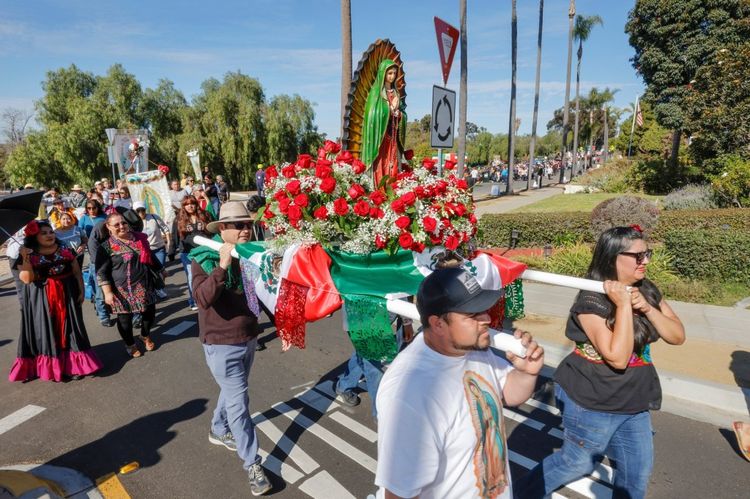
447	36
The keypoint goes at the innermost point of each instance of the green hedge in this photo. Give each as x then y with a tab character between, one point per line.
558	229
722	254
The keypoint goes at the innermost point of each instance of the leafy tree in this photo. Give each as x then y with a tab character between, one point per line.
672	40
291	128
163	109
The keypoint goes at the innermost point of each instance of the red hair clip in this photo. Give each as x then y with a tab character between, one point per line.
636	227
31	229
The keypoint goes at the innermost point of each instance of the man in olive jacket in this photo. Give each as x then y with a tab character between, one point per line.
228	332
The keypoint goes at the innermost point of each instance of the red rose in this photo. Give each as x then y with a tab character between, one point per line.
323	162
362	208
323	170
267	213
447	225
379	241
376	212
279	195
473	219
304	160
289	171
355	191
451	243
461	184
428	163
429	224
294	213
403	222
418	247
398	206
435	239
409	154
164	169
403	175
31	229
409	198
321	213
321	153
405	240
284	205
449	165
341	207
358	166
377	197
294	187
271	172
460	210
420	191
328	185
331	147
301	200
344	157
441	186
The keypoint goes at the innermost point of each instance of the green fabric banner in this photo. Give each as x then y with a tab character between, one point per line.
246	250
370	328
375	274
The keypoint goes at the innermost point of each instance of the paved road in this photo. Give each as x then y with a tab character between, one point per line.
156	410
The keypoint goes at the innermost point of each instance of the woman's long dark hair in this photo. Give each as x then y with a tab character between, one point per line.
183	218
603	267
32	243
97	205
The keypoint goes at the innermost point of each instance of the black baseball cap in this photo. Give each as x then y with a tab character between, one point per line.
453	290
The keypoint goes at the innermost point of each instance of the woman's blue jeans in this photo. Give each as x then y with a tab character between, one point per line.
627	439
186	267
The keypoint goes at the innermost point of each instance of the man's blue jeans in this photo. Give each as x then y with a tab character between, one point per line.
355	369
101	308
186	267
627	439
230	366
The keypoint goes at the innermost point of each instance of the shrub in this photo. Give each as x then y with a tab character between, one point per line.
572	260
691	197
612	177
732	183
720	254
623	211
725	219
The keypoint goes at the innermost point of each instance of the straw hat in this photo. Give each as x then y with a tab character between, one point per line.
232	211
77	187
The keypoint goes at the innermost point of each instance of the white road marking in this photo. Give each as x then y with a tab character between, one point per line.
557	433
331	439
296	454
357	427
525	420
303	385
178	329
584	486
21	415
326	387
317	401
279	468
324	486
322	404
541	405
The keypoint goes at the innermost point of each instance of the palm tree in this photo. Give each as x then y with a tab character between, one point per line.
346	57
532	145
462	93
581	32
566	110
512	120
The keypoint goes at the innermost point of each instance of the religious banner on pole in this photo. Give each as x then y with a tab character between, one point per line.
195	162
153	190
131	151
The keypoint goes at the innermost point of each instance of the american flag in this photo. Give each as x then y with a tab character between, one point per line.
638	114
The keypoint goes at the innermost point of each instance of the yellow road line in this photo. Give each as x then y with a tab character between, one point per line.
110	487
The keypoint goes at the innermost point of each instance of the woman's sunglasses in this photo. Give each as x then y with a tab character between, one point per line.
640	256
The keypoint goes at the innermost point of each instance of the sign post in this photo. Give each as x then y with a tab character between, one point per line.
447	38
442	120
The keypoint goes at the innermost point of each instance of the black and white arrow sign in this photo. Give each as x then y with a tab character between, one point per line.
443	112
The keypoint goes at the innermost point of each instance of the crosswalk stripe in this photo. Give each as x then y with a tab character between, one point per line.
291	449
557	433
355	426
525	420
21	415
178	329
331	439
279	468
324	486
317	401
326	387
541	405
584	486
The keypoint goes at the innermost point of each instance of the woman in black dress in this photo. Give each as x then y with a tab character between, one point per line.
126	271
53	344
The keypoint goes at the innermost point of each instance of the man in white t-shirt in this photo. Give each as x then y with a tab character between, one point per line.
440	404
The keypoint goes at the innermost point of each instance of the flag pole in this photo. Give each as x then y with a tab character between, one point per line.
632	126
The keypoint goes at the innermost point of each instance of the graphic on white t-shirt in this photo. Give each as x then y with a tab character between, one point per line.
486	416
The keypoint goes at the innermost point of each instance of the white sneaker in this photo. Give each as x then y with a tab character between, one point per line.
194	308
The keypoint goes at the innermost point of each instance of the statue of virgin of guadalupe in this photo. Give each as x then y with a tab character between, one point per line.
384	127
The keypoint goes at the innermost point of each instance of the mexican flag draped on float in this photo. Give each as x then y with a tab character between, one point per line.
338	240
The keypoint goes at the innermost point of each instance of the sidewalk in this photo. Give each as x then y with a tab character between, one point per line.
504	204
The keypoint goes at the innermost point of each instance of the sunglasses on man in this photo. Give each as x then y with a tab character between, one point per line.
639	256
240	225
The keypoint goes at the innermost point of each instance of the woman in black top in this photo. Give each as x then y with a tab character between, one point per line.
607	385
191	221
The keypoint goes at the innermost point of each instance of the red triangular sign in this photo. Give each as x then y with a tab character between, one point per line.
447	39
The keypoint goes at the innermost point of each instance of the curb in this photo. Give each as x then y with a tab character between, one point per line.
6	279
68	482
703	401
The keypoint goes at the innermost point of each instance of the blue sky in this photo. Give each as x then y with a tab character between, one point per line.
293	46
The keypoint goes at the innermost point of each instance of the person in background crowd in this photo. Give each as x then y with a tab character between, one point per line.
126	269
12	252
607	385
228	331
440	404
222	188
191	221
125	200
91	217
58	208
53	344
176	194
211	192
158	236
189	184
94	217
260	181
76	197
103	194
72	236
48	200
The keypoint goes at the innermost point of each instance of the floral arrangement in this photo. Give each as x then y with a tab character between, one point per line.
330	200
